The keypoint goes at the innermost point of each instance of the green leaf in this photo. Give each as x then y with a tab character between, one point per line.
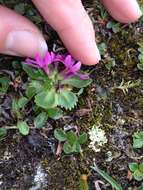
55	113
111	64
138	140
77	82
15	108
33	73
109	25
140	66
18	104
140	57
140	188
137	143
76	147
114	26
48	83
67	148
22	102
133	166
141	167
30	92
23	127
16	65
4	84
3	133
82	138
33	88
60	135
20	8
67	99
46	99
40	120
138	175
102	48
80	92
71	137
109	179
138	135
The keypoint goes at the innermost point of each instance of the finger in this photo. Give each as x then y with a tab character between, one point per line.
73	25
18	36
125	11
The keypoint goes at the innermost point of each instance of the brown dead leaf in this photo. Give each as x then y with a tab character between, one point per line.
129	175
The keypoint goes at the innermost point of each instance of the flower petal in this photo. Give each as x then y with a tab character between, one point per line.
31	62
39	60
46	69
75	68
59	58
47	59
53	56
68	62
83	76
68	76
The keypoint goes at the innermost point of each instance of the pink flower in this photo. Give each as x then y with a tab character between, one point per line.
41	63
71	69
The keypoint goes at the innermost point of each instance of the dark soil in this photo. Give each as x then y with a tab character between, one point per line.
30	163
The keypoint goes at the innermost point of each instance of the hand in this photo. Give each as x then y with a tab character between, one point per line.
18	36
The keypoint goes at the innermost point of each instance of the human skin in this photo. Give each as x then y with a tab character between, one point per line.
20	37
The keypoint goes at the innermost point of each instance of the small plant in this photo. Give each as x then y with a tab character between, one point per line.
125	86
17	108
3	133
140	57
102	48
109	179
72	142
138	140
110	64
52	83
137	171
55	82
115	27
4	84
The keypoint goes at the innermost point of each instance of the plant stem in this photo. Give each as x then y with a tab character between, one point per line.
14	127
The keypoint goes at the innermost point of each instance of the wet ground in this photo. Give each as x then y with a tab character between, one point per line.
30	163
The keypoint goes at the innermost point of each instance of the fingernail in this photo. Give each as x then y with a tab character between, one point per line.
25	43
98	56
138	12
94	56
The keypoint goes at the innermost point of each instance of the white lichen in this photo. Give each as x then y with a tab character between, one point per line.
40	179
97	138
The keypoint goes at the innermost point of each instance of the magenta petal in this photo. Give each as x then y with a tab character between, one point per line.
53	55
46	69
31	63
76	67
68	76
83	76
68	62
71	66
39	60
47	59
59	58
